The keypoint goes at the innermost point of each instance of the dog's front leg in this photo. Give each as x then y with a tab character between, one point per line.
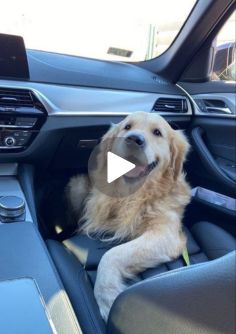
157	246
109	282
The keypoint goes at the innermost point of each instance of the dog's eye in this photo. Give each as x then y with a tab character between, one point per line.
128	127
157	132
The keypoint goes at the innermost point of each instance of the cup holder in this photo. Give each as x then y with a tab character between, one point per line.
12	209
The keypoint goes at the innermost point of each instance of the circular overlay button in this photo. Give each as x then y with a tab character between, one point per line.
118	167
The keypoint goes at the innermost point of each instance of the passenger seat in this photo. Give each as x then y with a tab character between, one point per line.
169	298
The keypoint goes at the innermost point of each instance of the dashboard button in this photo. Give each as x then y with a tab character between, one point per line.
22	141
16	134
26	134
25	121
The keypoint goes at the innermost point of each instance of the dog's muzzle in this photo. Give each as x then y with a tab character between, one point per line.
135	141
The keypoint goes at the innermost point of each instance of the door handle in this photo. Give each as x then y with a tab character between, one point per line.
221	110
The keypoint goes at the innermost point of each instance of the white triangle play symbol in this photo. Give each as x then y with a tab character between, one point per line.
117	166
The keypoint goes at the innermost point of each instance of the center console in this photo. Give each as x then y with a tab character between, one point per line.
16	297
21	117
25	264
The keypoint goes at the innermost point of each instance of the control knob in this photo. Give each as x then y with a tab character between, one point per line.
12	208
9	141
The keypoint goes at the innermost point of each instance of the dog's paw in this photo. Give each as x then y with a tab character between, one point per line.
108	285
104	303
106	294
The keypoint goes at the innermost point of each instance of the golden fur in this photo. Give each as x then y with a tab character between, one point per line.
149	218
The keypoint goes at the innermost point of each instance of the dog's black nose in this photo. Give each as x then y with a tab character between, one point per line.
136	139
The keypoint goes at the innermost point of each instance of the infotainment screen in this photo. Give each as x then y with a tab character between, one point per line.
13	58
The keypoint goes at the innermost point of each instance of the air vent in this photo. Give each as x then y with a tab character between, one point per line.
18	98
171	105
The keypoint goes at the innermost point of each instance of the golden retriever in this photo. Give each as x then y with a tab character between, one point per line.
149	218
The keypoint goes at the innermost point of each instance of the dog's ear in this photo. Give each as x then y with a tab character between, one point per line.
179	148
106	145
110	135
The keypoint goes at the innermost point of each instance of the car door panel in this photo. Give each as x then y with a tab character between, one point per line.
220	168
213	136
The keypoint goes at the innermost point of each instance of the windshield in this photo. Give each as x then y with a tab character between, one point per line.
125	30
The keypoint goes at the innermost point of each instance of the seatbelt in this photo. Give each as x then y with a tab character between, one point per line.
186	256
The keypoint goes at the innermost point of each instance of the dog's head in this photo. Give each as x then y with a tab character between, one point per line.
148	140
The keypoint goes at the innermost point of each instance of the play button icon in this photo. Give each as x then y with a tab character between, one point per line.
113	173
117	166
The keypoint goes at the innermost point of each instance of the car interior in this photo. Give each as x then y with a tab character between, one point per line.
54	109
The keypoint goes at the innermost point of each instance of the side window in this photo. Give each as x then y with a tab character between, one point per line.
224	66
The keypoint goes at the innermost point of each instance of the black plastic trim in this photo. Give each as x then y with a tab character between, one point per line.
43	148
208	160
26	179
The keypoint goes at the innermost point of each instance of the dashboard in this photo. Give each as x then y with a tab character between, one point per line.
35	118
63	122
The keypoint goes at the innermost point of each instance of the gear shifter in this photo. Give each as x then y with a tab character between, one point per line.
12	209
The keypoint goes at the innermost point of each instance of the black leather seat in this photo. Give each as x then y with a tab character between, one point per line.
77	259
